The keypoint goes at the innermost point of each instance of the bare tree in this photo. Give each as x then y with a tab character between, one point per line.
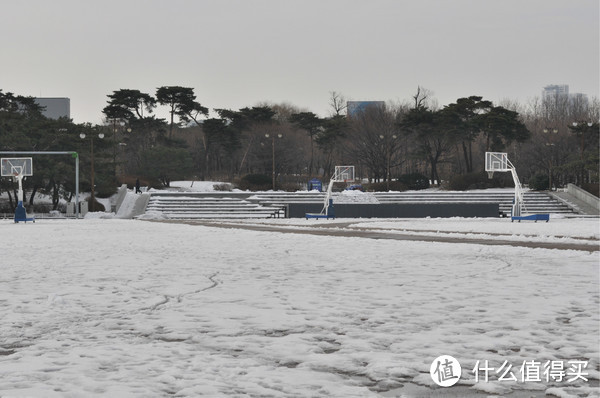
374	141
337	102
420	97
283	110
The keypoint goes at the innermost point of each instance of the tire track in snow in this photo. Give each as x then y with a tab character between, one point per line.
373	234
167	298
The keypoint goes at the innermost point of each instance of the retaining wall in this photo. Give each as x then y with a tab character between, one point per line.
398	210
584	196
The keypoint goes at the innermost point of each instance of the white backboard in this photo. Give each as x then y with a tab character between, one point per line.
13	167
343	174
496	161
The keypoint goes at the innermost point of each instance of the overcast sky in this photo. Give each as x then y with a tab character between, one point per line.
238	53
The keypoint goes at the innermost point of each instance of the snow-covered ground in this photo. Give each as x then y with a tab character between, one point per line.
561	229
195	186
129	308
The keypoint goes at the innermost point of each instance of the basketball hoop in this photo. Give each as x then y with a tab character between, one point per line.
343	174
490	174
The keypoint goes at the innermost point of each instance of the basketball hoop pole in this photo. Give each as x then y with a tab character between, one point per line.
72	153
20	212
498	161
341	173
338	176
20	192
328	197
518	191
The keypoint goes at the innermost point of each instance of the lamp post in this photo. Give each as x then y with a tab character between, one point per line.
550	145
120	144
93	189
273	147
581	145
388	155
580	132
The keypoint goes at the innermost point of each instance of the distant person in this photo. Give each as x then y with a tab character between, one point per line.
137	186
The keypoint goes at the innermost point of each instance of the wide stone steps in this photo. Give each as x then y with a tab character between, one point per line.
186	206
535	202
178	205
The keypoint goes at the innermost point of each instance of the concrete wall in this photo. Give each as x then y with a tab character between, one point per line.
130	204
584	196
399	210
133	205
121	192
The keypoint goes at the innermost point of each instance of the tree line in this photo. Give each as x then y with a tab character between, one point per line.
556	137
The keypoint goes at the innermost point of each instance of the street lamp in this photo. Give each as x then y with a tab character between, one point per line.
581	145
580	132
273	146
388	155
121	154
122	148
550	145
93	195
122	124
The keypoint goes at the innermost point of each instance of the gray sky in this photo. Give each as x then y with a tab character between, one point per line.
238	53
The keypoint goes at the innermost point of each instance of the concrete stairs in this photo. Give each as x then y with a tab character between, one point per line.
535	202
189	206
231	205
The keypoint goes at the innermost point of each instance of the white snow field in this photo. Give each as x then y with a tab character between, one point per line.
130	308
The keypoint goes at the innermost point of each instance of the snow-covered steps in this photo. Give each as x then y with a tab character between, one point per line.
194	205
535	202
188	206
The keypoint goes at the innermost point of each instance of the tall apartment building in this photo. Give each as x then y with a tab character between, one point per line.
555	91
355	107
579	99
54	108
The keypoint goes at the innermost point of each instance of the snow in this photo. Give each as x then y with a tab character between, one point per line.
355	196
559	230
126	208
568	227
193	186
152	215
129	308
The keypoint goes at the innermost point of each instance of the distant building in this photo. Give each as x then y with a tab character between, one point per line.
54	108
555	91
579	99
355	107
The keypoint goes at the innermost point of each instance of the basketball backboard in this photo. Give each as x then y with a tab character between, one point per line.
15	167
343	174
496	161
